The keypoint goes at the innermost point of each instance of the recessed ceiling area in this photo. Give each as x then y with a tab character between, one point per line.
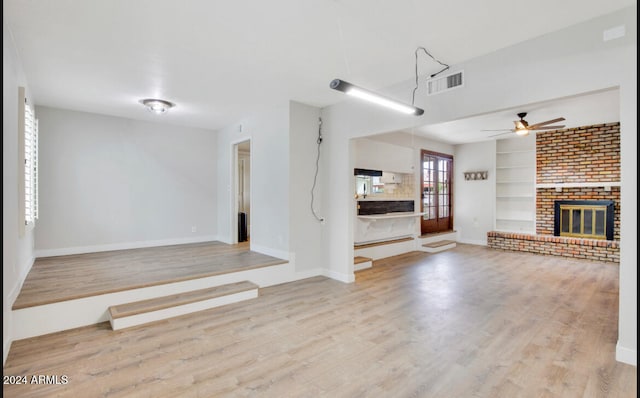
583	110
224	60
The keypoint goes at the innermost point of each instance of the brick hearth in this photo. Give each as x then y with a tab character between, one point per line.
589	249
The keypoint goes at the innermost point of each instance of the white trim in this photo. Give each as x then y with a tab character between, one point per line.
362	265
6	346
64	315
473	242
166	313
233	186
13	294
580	185
307	274
270	252
626	355
123	246
339	276
386	250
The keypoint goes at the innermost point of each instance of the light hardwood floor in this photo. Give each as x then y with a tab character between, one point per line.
469	322
54	279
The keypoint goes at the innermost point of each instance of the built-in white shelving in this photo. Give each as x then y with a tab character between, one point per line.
515	184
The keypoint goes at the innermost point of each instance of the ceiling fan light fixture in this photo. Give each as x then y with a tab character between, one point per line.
157	106
522	132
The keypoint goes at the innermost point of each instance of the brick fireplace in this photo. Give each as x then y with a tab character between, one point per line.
577	164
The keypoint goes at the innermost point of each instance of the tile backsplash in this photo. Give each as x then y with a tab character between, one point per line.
405	188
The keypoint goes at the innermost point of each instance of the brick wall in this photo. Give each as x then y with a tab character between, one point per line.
585	154
545	198
582	154
589	249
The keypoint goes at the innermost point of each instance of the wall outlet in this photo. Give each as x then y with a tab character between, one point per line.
194	229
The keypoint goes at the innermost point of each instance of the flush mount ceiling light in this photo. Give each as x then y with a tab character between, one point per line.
157	106
370	96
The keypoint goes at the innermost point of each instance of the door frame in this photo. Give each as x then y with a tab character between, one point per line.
449	157
235	181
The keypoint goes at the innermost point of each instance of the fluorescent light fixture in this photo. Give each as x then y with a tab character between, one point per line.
157	106
370	96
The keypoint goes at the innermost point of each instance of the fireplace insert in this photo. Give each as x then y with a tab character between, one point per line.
589	219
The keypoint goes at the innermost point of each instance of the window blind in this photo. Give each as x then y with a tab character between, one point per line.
30	164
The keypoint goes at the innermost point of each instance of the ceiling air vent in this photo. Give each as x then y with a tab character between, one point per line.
448	82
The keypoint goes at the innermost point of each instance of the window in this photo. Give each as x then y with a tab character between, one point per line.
28	138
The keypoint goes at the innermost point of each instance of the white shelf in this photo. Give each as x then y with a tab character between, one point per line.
390	216
579	185
515	185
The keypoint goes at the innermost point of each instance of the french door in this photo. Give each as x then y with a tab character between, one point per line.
437	200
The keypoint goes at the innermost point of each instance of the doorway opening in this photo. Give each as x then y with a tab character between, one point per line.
436	195
242	191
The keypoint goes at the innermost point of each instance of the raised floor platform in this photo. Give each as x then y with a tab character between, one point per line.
66	292
62	278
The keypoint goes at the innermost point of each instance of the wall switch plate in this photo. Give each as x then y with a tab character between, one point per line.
194	229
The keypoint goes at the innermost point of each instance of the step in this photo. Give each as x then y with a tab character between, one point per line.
438	246
381	243
360	263
145	311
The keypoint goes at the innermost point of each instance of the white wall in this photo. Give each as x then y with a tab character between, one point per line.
627	347
269	134
474	201
576	61
414	141
305	230
17	251
108	182
376	155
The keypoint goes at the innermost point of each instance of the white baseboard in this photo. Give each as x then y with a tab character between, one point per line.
339	276
123	246
15	290
6	346
626	355
479	242
270	252
308	274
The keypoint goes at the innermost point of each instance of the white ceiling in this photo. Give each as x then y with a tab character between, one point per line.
222	60
583	110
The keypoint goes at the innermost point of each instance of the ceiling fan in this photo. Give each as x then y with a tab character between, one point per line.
522	127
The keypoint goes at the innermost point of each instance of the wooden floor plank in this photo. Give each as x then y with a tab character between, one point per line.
54	279
468	322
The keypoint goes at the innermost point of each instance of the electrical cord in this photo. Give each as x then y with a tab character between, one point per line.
315	176
446	66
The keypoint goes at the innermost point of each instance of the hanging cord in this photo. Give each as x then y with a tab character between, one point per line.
315	176
413	97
